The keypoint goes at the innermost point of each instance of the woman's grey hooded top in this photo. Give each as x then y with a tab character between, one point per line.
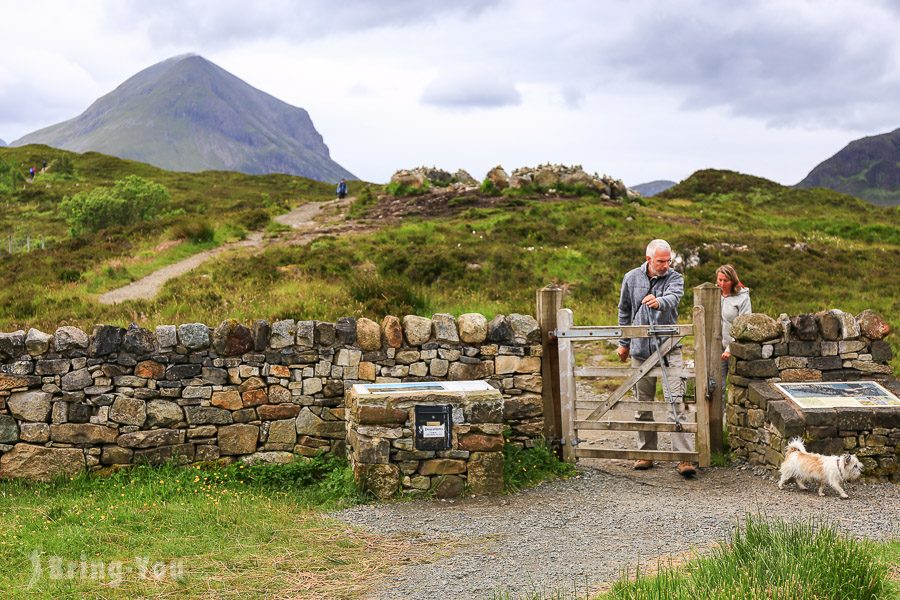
732	306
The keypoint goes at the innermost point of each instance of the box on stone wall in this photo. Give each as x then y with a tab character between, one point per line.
443	437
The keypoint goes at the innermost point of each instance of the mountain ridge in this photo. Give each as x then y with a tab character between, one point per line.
868	168
188	114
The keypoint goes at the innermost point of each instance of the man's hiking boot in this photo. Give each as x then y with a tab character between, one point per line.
685	469
642	464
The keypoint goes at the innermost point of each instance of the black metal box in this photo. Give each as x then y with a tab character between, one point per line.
433	426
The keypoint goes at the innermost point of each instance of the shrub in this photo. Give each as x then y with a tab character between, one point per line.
489	189
130	200
395	188
253	219
364	200
527	467
195	231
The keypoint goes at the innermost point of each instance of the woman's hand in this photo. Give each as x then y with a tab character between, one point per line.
726	355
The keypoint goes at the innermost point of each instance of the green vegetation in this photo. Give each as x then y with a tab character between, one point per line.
798	250
253	531
527	467
396	188
766	559
130	200
365	199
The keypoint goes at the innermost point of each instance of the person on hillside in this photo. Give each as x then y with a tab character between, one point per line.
342	189
735	302
31	173
650	296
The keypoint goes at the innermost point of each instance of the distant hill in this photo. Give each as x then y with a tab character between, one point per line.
187	114
719	181
867	168
2	143
652	188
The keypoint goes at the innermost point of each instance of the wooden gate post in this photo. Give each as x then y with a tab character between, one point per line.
549	301
709	297
564	322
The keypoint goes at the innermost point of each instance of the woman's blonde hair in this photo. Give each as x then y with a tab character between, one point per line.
731	274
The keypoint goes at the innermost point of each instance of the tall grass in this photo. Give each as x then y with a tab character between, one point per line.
771	559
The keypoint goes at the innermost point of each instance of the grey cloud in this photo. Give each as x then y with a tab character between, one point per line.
761	64
471	93
230	21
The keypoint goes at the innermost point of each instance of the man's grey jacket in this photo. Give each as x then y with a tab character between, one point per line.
668	289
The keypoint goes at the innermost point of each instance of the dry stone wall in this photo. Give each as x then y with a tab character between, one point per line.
827	346
70	401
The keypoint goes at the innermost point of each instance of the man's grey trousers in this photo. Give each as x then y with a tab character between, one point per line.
646	392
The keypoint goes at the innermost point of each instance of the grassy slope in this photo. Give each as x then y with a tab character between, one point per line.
806	250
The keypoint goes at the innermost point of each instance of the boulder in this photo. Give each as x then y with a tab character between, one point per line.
498	177
417	330
33	405
106	339
193	336
368	335
473	328
755	327
444	327
872	325
231	338
393	331
138	340
37	342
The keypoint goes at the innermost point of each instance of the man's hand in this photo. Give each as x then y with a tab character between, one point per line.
650	301
623	352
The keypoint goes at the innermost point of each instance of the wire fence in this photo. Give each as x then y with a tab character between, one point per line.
18	244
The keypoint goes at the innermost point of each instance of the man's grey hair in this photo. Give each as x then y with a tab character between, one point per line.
657	245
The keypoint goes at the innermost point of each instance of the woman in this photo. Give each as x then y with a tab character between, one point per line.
735	301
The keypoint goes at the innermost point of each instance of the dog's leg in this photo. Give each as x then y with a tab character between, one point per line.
784	479
837	487
822	489
799	483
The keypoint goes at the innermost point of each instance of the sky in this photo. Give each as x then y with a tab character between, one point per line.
639	90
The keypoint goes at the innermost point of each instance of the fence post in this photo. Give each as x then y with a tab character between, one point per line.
549	301
564	321
709	297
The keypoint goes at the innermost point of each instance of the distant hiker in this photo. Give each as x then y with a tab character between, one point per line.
44	166
31	172
650	296
342	189
735	302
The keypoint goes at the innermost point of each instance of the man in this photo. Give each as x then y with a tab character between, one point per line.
650	296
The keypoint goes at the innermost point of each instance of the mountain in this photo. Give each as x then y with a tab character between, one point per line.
187	114
652	188
868	168
2	143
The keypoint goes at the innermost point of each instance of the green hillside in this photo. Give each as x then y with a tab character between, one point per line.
798	251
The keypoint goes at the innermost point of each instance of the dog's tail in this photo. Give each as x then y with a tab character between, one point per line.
796	445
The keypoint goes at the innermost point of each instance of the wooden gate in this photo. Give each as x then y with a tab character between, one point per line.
579	416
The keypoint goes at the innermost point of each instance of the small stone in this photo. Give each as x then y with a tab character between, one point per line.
849	326
150	369
151	439
138	340
872	325
231	338
306	334
106	339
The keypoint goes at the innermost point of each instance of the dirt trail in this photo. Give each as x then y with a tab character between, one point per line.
308	222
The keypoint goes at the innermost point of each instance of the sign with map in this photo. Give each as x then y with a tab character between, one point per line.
839	394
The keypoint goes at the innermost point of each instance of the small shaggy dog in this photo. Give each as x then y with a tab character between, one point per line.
803	466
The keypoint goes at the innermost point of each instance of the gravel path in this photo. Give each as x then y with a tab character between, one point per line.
303	218
584	531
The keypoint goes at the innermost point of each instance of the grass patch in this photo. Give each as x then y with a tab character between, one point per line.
235	532
527	467
773	559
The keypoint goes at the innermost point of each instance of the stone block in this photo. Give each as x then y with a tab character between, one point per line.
472	328
829	325
306	334
58	366
755	327
283	432
254	398
368	335
380	480
76	380
166	336
804	327
275	412
804	348
231	338
365	414
442	466
149	369
194	336
207	415
824	363
416	330
485	473
785	417
447	486
463	372
371	450
228	400
179	454
310	424
238	439
345	331
128	411
151	438
756	368
444	329
33	405
479	442
801	375
881	351
26	461
35	432
499	330
393	331
116	455
83	433
790	362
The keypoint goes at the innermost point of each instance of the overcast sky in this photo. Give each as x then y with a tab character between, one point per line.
639	90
